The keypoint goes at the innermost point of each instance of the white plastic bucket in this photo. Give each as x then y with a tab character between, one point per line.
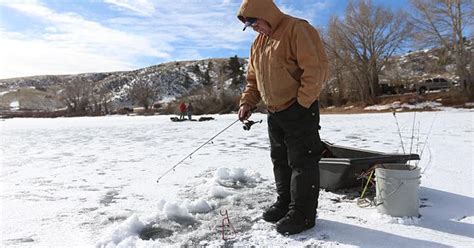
397	187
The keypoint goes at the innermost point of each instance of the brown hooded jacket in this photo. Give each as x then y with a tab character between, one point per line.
286	66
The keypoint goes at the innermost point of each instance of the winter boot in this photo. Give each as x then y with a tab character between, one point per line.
294	222
275	212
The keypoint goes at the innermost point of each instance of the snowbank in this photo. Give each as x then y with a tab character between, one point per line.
181	214
399	106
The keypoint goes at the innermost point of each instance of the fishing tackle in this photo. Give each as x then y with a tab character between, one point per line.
248	124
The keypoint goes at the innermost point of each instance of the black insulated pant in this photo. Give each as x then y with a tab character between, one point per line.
296	149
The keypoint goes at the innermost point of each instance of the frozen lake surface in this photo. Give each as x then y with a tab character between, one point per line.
92	182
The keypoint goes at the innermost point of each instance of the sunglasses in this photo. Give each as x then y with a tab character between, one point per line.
249	22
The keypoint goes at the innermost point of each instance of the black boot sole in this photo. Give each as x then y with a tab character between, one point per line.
293	229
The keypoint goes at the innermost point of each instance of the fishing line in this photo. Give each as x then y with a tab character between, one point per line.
399	132
412	132
188	156
247	125
427	136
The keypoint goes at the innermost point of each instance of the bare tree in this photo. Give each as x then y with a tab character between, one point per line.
76	94
345	84
364	41
443	22
101	98
143	92
335	86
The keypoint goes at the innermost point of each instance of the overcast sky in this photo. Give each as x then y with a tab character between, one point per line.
39	37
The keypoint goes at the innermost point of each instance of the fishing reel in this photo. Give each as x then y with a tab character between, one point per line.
248	124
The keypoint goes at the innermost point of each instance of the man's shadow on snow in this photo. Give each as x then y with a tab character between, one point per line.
443	211
364	237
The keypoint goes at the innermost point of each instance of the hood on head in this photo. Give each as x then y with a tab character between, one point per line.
261	9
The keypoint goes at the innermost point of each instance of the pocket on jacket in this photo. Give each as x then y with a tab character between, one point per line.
284	86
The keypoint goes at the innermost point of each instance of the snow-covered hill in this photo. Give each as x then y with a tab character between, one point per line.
183	78
421	64
173	80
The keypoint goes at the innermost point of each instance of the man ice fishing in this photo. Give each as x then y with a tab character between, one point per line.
287	69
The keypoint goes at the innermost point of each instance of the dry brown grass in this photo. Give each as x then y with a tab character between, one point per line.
453	98
30	98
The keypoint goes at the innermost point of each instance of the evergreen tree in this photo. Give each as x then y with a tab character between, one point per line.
236	71
197	70
187	81
206	78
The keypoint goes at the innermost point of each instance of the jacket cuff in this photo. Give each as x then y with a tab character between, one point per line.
246	103
304	103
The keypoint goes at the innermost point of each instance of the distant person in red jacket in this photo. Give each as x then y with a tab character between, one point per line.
182	110
190	111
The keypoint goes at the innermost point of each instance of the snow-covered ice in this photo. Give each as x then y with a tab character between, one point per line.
92	182
399	106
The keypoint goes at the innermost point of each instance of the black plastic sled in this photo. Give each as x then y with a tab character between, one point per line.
341	166
177	119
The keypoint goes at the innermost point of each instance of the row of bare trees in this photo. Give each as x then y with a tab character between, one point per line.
360	44
82	96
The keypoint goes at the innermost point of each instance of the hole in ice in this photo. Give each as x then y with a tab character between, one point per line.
150	232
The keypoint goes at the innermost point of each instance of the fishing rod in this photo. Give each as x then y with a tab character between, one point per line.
247	125
399	132
426	139
412	133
